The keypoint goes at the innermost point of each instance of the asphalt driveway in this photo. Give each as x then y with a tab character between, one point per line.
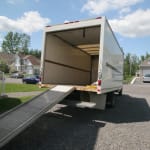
125	127
13	80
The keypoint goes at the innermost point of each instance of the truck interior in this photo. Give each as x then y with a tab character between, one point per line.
86	39
72	56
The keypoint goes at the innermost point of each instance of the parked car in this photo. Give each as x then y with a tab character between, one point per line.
17	75
146	78
32	79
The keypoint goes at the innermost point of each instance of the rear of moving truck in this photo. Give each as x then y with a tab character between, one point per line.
84	54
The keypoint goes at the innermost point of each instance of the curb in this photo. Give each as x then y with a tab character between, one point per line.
133	80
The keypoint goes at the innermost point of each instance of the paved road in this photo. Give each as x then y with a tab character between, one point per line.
138	81
13	80
22	94
125	127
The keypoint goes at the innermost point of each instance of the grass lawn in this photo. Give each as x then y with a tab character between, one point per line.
13	87
128	79
8	103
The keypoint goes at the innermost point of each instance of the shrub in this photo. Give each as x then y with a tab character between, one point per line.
4	67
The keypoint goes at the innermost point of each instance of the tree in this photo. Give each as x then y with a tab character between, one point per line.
147	55
35	52
142	58
131	65
135	64
4	67
16	43
24	43
127	64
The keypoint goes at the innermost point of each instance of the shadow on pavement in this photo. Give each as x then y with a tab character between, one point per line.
7	103
57	131
128	109
70	128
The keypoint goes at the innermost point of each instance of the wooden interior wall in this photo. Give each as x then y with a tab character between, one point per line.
57	74
94	67
65	64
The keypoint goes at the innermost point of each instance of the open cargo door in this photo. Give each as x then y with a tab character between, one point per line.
71	55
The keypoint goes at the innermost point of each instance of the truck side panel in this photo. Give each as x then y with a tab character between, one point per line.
112	61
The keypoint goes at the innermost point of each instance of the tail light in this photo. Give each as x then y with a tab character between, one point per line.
98	17
48	26
99	86
99	82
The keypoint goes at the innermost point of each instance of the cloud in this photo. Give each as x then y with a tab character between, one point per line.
125	11
98	7
30	22
136	24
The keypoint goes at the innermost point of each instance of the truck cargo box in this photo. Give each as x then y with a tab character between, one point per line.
82	53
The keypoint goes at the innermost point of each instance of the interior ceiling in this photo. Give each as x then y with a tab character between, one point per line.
86	39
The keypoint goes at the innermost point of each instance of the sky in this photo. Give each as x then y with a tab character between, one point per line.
129	19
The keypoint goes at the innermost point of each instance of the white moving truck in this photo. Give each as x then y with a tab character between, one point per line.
84	54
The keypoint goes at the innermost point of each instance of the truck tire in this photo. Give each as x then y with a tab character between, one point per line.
111	100
120	92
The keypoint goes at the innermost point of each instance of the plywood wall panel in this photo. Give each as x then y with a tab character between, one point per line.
57	74
61	52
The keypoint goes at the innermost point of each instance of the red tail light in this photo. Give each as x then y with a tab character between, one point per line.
48	26
98	17
99	82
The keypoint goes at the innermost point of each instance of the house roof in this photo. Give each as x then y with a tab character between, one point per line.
35	61
7	58
21	55
145	63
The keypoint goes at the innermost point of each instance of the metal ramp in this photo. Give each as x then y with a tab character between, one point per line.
17	119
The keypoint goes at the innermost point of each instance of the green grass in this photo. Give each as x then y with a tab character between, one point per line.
128	79
8	103
13	87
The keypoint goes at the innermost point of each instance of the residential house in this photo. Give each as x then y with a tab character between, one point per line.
7	58
28	64
31	64
145	67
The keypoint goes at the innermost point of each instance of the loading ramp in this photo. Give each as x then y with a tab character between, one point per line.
17	119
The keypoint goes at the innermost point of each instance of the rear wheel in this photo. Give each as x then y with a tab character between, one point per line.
120	92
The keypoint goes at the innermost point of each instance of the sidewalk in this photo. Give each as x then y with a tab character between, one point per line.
22	94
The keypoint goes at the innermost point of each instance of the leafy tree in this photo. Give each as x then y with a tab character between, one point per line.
127	64
142	58
24	43
35	52
135	64
4	67
16	43
131	65
147	55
